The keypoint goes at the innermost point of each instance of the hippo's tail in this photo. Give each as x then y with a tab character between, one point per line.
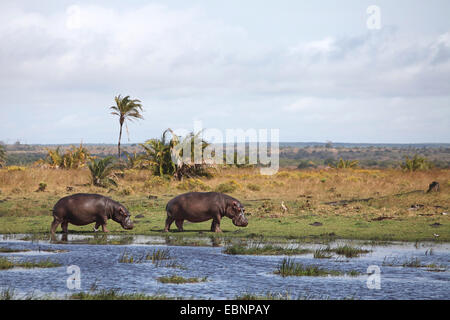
53	213
169	214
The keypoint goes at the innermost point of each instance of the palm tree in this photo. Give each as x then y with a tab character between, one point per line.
177	145
165	156
134	160
75	157
2	155
346	164
126	109
158	155
54	158
102	172
415	163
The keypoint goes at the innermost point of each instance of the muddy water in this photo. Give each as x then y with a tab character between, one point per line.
228	276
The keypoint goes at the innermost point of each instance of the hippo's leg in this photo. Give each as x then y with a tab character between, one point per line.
55	225
169	221
64	226
97	225
215	225
179	224
103	224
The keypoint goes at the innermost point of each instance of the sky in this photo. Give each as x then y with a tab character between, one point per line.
315	70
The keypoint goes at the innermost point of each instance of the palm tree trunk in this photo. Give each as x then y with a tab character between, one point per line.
120	137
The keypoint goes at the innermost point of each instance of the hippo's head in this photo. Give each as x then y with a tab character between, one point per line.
122	216
236	213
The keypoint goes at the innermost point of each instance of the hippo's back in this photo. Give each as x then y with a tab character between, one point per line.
76	199
190	198
196	206
80	207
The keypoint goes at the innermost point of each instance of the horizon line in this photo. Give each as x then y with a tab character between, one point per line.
280	142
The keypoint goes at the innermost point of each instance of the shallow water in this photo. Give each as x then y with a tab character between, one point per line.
228	276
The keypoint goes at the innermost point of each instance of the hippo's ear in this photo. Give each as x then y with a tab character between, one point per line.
235	204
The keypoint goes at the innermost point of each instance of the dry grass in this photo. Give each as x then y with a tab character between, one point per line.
26	181
303	191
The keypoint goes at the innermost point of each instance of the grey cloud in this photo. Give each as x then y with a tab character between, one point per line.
189	65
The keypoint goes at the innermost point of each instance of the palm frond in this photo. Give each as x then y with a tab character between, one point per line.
102	172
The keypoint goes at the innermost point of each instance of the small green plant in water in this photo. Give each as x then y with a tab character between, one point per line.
175	265
125	258
114	294
322	253
7	294
236	249
289	267
412	263
349	252
8	264
346	250
158	255
267	296
9	250
155	257
180	280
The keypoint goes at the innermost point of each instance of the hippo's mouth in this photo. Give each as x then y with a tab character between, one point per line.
240	221
127	224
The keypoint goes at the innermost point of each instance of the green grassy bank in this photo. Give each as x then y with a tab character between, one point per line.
26	215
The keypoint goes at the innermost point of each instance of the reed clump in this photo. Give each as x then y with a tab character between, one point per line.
268	250
180	280
289	267
9	264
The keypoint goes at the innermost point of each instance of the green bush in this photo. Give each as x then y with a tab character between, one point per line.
253	187
228	187
42	187
126	191
156	181
193	184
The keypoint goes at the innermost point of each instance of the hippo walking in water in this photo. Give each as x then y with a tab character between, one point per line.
82	209
203	206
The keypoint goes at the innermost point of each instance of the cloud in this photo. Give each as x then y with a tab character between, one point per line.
186	52
183	64
373	64
151	45
315	104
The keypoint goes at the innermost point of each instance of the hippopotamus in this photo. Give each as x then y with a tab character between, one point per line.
83	208
203	206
